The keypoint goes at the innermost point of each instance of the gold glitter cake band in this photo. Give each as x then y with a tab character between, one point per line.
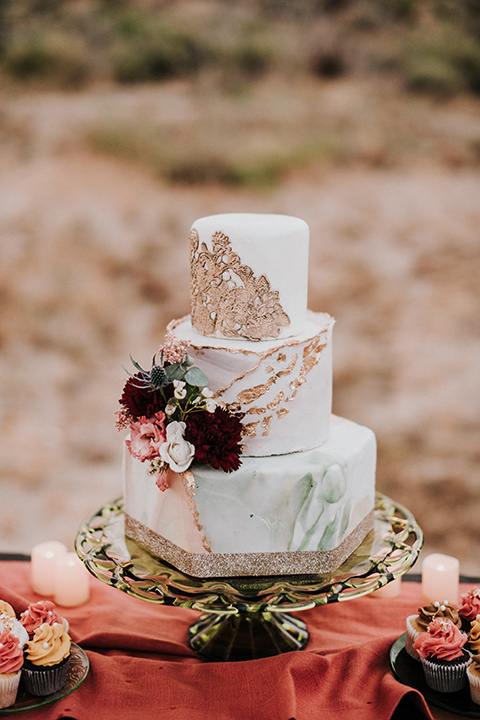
205	565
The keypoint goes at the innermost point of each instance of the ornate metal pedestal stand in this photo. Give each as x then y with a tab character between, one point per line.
247	618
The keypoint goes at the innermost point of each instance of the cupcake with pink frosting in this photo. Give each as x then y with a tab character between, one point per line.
469	606
443	656
40	612
417	624
11	661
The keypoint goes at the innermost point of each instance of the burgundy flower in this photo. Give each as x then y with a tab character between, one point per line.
217	437
141	401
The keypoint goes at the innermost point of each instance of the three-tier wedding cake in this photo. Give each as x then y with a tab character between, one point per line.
234	464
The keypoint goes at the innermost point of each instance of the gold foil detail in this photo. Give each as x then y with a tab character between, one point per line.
269	369
282	412
266	425
306	562
227	298
272	405
250	429
189	485
281	357
250	394
255	411
291	365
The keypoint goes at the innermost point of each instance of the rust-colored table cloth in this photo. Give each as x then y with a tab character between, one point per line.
141	665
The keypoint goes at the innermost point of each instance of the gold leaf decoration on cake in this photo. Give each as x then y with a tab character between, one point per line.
227	298
266	425
250	429
272	405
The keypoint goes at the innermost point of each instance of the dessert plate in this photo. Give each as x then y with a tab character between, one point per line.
76	674
409	672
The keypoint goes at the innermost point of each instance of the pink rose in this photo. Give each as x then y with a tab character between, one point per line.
146	437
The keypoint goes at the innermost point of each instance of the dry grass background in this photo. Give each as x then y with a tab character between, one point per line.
94	264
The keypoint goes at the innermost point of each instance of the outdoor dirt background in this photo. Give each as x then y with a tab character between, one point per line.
94	263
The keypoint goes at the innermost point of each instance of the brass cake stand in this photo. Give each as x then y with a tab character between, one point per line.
246	618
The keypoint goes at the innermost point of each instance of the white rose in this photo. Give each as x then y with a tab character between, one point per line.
176	451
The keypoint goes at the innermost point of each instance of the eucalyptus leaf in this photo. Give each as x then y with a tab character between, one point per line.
196	377
187	360
174	372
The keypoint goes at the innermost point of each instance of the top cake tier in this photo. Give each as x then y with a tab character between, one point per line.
249	276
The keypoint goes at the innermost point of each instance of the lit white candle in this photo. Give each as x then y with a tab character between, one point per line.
440	577
42	565
71	581
390	590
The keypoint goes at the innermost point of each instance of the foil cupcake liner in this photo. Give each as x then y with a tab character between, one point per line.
8	688
445	677
45	681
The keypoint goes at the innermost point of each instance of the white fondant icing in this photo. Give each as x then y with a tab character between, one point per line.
284	386
275	246
271	504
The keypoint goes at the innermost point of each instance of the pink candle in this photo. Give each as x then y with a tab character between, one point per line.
42	565
440	577
71	581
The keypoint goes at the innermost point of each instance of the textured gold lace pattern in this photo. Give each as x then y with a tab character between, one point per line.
227	298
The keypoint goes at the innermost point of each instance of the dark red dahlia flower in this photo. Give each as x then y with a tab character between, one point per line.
217	438
141	401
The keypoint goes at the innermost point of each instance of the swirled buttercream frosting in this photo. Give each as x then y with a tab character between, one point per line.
442	640
38	613
7	622
470	604
474	635
428	613
11	655
6	609
49	646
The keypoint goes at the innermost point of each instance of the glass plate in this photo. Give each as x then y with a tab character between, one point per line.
409	672
245	617
76	674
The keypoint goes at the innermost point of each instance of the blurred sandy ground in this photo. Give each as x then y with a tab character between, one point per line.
94	264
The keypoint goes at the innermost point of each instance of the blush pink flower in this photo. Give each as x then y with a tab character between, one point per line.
146	437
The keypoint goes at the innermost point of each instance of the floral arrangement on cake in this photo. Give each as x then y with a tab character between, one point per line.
173	418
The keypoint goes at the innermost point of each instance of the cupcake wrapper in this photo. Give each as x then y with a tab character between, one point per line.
45	681
445	677
410	637
8	689
474	682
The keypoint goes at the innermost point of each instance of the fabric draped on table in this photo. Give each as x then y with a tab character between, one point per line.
141	665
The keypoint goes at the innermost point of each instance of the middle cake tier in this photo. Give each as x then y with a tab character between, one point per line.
283	387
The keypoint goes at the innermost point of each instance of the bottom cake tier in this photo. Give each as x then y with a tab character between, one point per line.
298	513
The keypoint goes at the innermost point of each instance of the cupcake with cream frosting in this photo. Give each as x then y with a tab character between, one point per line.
11	661
43	611
474	636
46	659
7	609
443	656
417	624
14	626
